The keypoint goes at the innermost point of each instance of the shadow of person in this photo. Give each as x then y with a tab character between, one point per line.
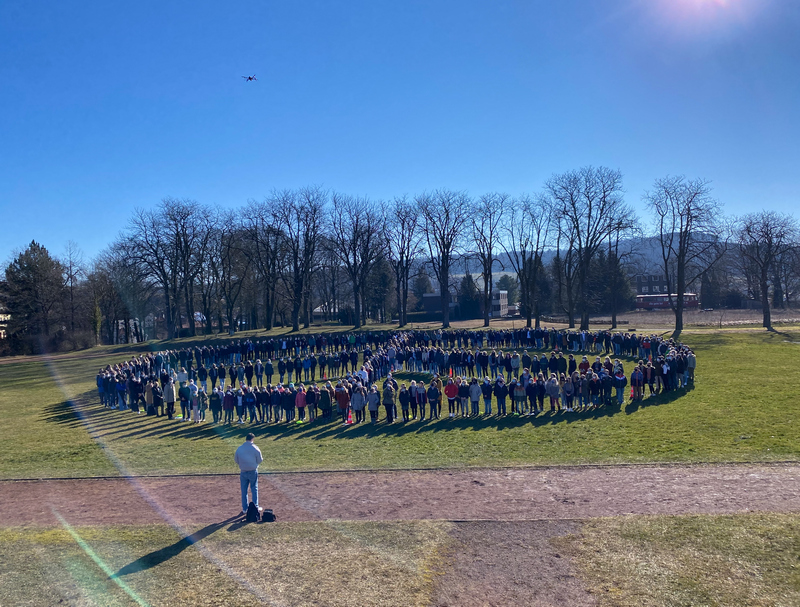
164	554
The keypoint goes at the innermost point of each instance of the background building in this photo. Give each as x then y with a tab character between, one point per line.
649	284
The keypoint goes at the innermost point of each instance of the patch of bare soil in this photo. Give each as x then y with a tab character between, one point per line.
510	563
515	494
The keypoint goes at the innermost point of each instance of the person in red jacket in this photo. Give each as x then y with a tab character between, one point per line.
451	392
342	400
228	403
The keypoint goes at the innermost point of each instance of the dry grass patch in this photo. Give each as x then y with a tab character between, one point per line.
738	560
282	564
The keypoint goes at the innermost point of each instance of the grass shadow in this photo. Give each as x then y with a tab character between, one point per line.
157	557
657	399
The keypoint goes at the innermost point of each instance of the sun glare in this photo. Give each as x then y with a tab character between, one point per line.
711	13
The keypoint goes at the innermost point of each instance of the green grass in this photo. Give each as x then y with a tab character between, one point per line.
231	564
744	408
691	560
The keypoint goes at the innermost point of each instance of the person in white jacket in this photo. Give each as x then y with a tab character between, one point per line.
248	457
475	396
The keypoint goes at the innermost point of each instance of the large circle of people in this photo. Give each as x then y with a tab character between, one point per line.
294	379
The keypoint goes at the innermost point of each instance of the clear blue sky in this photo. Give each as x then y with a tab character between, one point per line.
106	106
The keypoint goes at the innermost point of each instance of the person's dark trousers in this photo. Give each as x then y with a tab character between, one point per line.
301	412
501	406
344	416
389	413
228	416
160	411
406	415
170	410
434	410
451	405
215	415
414	411
359	416
253	416
185	409
422	411
373	415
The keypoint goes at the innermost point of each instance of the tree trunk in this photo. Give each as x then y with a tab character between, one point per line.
356	306
444	295
398	289
269	310
681	289
487	298
296	316
189	309
764	285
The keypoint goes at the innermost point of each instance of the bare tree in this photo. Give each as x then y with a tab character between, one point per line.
233	265
403	250
443	217
690	234
762	239
158	250
74	271
264	250
300	215
486	218
589	207
192	230
357	238
526	233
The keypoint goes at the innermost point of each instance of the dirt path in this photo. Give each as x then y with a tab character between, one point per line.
500	495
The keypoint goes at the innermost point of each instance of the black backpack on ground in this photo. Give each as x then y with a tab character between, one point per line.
268	516
252	513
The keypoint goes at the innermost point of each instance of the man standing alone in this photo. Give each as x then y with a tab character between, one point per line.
248	457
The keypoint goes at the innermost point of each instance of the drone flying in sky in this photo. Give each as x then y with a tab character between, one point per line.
249	78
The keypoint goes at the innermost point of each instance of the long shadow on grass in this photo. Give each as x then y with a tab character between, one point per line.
118	425
657	399
157	557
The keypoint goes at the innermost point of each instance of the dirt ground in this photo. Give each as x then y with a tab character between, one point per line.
505	520
510	563
458	495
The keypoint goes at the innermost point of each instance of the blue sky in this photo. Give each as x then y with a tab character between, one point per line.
105	107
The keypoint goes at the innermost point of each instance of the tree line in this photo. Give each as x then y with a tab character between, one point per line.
182	267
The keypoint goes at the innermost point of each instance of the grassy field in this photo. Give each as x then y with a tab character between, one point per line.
628	561
691	560
744	408
286	564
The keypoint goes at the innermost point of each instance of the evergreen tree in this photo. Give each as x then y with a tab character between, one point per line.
509	283
469	298
34	289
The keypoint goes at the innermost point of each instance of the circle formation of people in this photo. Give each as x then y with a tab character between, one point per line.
306	378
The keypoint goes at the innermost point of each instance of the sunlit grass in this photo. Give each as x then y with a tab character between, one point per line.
284	564
744	408
691	560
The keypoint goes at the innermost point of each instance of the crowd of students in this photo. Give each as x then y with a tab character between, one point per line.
319	376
